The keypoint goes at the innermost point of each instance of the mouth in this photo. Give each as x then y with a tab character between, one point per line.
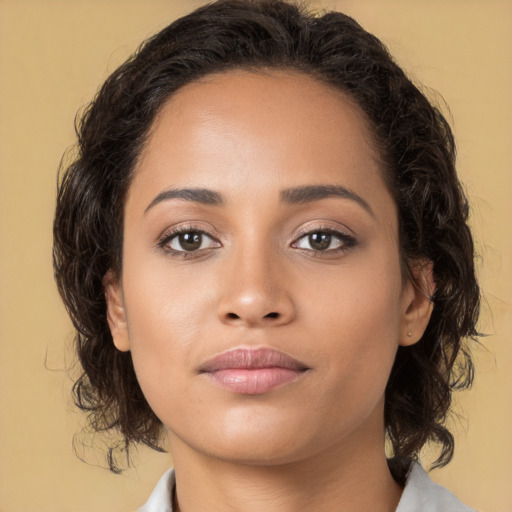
252	371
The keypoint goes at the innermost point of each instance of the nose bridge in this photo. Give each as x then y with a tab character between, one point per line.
254	293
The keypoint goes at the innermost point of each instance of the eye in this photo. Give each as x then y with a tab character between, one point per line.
328	241
187	241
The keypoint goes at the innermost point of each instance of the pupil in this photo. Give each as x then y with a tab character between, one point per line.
190	241
320	241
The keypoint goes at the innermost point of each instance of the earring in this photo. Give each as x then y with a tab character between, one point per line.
409	334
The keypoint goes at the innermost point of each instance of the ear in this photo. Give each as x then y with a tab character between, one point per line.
116	315
418	303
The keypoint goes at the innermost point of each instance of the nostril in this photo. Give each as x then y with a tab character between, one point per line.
273	315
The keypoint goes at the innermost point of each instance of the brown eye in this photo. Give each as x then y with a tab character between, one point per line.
326	241
188	241
319	241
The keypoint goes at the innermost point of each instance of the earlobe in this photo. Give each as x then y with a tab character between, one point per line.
116	315
418	302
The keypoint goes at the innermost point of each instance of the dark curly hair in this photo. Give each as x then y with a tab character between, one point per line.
417	151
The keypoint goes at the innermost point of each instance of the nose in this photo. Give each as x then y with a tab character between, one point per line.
255	294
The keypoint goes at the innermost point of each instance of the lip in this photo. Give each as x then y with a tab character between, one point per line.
252	371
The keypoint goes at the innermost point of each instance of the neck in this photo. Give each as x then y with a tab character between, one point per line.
351	478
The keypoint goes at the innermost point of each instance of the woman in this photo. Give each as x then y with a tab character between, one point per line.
264	250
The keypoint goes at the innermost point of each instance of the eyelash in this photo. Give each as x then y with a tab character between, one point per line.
171	234
347	241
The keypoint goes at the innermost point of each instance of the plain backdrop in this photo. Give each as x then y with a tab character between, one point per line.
53	56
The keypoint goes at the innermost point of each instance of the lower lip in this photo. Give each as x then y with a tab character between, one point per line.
253	381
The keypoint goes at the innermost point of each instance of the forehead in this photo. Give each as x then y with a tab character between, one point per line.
219	130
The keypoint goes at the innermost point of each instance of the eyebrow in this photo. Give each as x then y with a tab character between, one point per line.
198	195
297	195
310	193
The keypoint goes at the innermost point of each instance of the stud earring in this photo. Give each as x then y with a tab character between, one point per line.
409	334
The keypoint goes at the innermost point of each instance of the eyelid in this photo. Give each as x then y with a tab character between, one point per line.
324	226
346	236
169	234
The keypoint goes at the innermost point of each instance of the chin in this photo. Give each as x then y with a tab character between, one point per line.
254	454
275	442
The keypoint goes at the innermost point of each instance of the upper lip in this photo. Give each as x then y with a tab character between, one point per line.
252	359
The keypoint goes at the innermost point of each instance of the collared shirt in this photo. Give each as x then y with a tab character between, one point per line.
420	495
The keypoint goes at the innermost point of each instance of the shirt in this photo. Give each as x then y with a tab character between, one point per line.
420	495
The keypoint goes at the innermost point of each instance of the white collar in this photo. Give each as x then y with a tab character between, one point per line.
422	495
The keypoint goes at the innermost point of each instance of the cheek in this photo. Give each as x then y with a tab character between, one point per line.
357	322
358	300
167	315
164	302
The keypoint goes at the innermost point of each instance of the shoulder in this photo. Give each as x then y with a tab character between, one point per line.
422	495
161	497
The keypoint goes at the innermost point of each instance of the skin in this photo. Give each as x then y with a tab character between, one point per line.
318	441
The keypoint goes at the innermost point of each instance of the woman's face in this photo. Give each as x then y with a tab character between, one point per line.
261	294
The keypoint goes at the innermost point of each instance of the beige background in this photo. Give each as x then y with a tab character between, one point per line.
53	55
